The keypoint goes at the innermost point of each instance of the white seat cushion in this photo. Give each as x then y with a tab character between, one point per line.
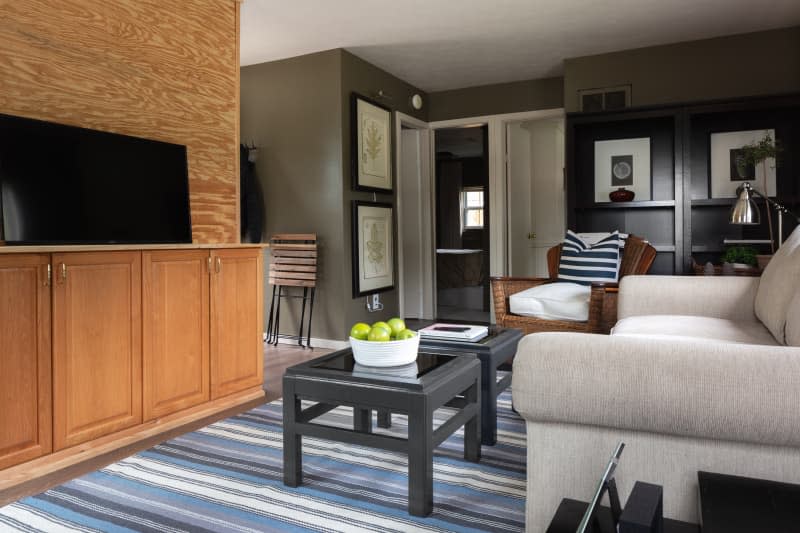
694	327
553	301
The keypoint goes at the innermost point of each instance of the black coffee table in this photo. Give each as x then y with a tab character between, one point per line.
493	351
439	379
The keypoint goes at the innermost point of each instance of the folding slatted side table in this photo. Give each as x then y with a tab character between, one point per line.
293	264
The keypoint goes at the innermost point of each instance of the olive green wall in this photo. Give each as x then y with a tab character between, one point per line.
291	109
366	79
297	111
726	67
496	99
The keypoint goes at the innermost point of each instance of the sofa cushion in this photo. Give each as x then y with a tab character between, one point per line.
775	289
553	301
793	321
694	327
586	264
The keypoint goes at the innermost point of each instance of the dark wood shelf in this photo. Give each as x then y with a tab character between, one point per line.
630	205
711	202
707	249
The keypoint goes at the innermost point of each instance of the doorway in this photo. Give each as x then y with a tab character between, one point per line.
462	223
536	193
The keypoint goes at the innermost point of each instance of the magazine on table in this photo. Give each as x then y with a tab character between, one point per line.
464	332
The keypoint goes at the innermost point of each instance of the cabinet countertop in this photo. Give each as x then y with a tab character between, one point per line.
37	249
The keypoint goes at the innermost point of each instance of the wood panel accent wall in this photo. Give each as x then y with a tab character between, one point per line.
161	70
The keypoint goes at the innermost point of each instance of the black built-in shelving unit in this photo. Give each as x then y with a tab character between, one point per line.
681	219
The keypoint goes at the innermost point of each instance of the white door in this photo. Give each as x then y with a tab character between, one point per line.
536	196
415	240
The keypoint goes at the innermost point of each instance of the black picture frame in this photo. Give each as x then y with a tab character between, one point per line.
359	287
355	174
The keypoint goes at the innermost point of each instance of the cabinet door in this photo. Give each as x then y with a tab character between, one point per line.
237	286
97	350
175	335
25	401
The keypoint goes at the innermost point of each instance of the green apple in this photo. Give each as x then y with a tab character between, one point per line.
406	334
360	331
397	326
379	334
383	325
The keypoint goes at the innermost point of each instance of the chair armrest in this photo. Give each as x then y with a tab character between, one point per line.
603	307
731	297
503	287
697	388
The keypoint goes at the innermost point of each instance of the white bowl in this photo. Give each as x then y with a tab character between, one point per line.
389	353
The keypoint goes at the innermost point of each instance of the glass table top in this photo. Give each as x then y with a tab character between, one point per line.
426	362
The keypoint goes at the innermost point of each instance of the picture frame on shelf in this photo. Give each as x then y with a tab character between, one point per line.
371	145
622	163
373	247
727	172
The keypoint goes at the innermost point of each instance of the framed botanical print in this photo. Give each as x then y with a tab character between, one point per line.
371	142
373	248
729	170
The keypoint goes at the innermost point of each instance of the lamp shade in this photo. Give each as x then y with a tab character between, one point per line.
745	211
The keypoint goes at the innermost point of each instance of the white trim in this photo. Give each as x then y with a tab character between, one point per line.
315	343
498	201
427	266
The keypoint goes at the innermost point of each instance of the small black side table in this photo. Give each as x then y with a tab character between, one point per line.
734	504
493	351
569	513
437	380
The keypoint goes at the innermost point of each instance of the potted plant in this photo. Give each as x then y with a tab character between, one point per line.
741	257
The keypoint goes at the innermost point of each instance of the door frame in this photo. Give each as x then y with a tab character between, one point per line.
498	175
427	264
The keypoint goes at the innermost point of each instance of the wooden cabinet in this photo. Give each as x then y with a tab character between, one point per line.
236	320
25	402
175	330
97	354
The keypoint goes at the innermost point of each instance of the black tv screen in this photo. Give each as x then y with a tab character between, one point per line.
67	185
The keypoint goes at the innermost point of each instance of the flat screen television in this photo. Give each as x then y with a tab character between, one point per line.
67	185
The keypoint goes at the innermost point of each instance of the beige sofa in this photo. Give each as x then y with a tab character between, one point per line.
700	373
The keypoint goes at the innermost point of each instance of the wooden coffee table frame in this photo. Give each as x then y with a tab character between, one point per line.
456	384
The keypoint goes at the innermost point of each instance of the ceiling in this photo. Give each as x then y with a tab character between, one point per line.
446	44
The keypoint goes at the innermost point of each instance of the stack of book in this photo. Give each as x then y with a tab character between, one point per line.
462	332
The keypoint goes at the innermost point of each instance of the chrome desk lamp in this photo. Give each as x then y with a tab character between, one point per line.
745	211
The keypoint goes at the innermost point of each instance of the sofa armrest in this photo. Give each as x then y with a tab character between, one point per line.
731	297
697	388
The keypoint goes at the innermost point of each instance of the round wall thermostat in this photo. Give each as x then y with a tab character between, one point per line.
416	102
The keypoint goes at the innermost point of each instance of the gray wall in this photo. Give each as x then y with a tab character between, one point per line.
366	79
496	99
726	67
291	109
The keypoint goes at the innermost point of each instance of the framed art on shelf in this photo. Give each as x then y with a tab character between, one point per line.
371	145
729	171
373	248
622	163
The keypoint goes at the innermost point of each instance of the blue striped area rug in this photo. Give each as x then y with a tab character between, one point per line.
227	477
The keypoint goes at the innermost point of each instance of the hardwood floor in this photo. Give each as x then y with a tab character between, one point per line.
276	360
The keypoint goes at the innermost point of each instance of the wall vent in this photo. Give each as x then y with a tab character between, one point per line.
604	98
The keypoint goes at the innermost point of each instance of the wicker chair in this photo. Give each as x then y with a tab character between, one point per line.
637	257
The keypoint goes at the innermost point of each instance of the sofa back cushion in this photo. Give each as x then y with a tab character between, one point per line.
586	264
777	287
793	321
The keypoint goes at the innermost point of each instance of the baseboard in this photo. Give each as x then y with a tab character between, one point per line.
316	343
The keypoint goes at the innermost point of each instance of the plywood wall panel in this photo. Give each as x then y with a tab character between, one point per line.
165	70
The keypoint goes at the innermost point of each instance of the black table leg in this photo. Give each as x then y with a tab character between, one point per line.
489	405
292	442
472	429
362	420
420	460
384	419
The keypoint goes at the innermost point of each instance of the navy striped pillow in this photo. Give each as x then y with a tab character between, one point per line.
584	264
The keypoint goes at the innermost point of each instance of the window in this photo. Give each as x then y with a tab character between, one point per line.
472	208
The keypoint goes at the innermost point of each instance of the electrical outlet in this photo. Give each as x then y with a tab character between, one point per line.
376	301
